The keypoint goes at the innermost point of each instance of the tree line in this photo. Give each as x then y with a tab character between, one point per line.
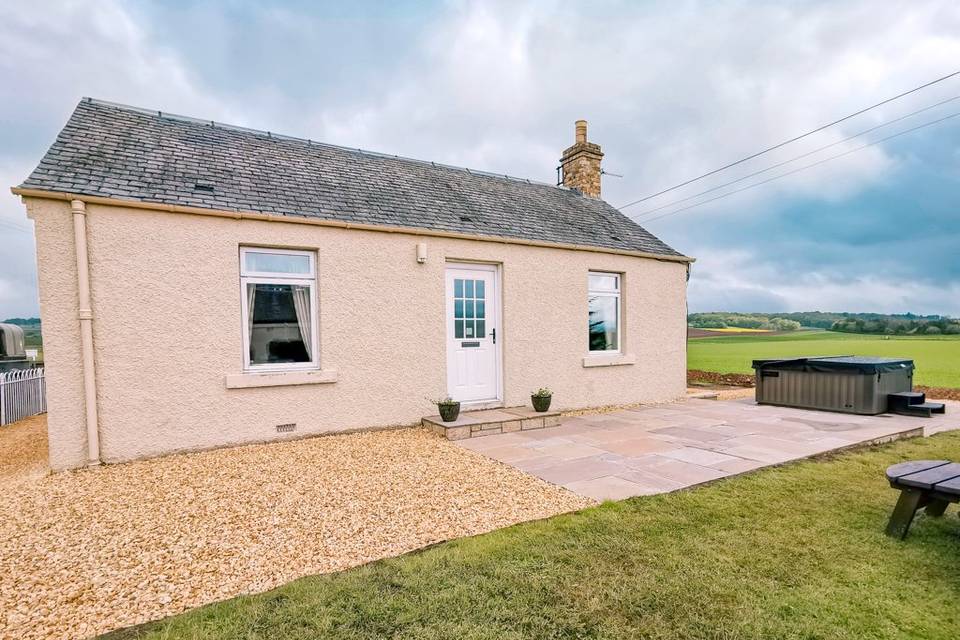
22	321
898	326
871	323
742	321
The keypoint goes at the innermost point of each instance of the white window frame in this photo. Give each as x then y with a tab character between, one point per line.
260	277
610	294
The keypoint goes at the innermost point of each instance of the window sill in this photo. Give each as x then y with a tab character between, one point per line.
280	378
612	360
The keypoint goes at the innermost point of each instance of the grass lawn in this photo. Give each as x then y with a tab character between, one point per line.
738	330
937	357
792	552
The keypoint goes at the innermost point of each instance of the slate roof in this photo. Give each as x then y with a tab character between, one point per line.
126	153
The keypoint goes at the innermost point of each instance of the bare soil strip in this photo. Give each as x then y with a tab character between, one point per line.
712	377
747	380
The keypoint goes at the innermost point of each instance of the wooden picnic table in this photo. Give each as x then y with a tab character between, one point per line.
923	484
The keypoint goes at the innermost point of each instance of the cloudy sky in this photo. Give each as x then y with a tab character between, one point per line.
671	90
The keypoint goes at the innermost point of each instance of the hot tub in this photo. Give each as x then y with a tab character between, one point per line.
850	384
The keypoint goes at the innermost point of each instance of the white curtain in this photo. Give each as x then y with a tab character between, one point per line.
251	296
610	325
301	302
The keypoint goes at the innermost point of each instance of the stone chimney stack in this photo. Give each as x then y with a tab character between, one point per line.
581	163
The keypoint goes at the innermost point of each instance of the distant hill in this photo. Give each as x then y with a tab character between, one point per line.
880	323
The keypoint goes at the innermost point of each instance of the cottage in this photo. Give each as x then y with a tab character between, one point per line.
204	285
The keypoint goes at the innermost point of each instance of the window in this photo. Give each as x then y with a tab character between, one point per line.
469	309
279	309
603	302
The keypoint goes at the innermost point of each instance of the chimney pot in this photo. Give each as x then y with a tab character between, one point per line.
581	131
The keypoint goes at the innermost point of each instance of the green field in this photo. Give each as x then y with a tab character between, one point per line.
937	357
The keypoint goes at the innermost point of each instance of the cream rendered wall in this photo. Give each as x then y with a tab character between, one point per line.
59	306
167	329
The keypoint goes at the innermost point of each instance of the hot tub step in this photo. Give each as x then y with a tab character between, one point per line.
910	397
924	409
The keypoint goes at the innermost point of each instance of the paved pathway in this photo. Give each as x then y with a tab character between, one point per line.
662	448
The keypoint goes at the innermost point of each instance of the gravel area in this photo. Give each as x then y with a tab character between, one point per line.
23	450
88	551
724	392
735	393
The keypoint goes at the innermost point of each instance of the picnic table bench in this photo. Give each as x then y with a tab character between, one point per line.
929	484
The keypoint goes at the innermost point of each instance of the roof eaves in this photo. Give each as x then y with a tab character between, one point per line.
238	214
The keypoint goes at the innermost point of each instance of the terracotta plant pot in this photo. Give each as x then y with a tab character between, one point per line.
541	403
449	411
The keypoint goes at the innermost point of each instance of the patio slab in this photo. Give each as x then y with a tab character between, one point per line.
649	450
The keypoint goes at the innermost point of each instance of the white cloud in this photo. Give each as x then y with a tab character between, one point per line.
671	90
54	54
57	52
18	280
736	281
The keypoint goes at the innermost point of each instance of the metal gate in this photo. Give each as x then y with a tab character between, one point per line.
23	393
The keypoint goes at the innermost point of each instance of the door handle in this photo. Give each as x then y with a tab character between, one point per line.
493	334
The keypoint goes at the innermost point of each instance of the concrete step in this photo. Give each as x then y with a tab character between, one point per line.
472	424
702	395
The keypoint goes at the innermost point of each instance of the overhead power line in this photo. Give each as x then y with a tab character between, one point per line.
791	140
9	224
794	159
804	168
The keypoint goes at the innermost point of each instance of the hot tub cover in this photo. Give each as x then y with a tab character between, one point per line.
837	364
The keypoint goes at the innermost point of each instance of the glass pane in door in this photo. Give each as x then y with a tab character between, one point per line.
469	303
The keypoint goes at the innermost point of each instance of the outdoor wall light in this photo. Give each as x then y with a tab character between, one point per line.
421	252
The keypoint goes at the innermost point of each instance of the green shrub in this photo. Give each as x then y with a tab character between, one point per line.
710	324
782	324
933	330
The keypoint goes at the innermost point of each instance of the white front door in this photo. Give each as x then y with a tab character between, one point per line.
473	361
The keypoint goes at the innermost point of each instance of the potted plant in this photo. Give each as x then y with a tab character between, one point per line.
541	399
448	407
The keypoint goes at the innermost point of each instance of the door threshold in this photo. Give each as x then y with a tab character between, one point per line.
480	405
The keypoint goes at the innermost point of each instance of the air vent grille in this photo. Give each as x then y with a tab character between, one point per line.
286	428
